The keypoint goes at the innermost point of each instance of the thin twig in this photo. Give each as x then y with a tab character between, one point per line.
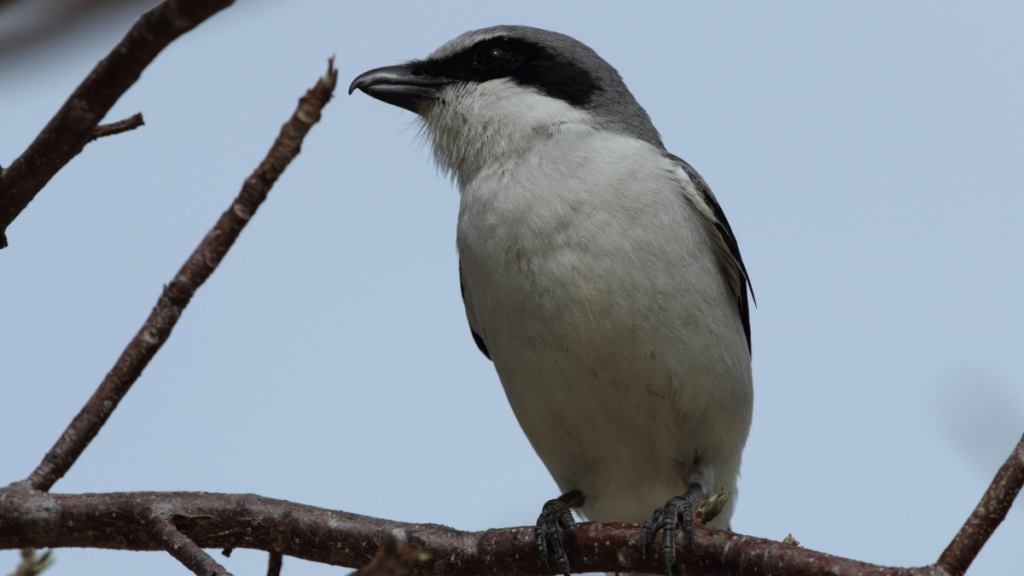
987	516
183	549
274	566
129	123
72	127
177	294
280	539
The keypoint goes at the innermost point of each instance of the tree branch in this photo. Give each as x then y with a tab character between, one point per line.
280	537
274	566
72	127
987	516
183	523
176	295
118	521
129	123
183	549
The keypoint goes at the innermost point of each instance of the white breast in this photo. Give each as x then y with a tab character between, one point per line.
616	339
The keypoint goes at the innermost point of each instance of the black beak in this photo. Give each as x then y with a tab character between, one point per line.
399	86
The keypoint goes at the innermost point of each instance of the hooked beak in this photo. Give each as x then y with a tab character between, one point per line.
399	86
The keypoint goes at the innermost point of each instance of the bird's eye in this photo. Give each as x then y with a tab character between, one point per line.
490	56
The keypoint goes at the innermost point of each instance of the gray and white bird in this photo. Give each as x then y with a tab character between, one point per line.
598	273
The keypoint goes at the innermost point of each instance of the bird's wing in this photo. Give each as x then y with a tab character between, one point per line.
471	316
727	250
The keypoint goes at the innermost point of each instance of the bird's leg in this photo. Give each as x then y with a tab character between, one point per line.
557	513
677	509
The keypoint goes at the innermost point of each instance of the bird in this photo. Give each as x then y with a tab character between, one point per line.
599	275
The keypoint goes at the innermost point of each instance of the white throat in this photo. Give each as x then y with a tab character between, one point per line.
486	127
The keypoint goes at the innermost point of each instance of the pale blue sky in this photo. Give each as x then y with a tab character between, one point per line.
868	156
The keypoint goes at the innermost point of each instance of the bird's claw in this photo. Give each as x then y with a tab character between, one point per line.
676	510
556	514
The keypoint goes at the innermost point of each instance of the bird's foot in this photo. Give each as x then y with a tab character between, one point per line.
676	510
558	514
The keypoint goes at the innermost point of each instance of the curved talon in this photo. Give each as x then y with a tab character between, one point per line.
673	512
686	517
648	529
547	536
677	510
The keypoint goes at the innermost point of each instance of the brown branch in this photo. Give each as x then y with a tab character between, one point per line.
274	566
126	521
129	123
72	127
987	516
176	295
280	537
184	549
118	521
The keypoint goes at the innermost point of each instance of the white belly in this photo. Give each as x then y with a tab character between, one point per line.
616	338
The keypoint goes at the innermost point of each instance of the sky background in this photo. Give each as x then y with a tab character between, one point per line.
868	156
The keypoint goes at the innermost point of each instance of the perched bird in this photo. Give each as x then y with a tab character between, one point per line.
598	273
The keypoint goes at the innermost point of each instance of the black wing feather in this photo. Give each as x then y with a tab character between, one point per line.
725	231
476	337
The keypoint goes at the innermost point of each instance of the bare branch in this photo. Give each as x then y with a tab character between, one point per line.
72	127
179	292
215	521
129	123
987	516
280	536
118	521
183	549
274	566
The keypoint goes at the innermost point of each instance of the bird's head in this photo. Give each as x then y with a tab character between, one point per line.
490	94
